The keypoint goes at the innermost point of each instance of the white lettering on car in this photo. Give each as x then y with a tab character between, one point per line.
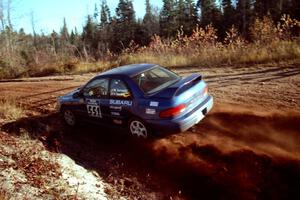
150	111
118	108
120	102
154	103
115	113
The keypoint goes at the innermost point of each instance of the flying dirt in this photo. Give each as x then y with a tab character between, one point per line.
248	147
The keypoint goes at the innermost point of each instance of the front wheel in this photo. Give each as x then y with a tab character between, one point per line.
138	129
69	117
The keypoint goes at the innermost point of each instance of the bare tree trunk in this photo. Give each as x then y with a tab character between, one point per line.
33	28
8	14
2	15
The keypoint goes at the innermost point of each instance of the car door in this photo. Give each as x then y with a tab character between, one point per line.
96	100
121	101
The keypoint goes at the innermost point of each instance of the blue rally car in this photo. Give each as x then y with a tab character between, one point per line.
146	98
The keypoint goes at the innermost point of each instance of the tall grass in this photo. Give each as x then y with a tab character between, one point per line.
212	56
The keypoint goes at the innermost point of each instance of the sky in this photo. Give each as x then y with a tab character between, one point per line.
48	15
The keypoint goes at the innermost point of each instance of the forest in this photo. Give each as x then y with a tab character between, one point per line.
181	33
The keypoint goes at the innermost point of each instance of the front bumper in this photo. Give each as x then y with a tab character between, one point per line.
184	122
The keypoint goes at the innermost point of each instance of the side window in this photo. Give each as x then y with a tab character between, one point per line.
118	89
97	88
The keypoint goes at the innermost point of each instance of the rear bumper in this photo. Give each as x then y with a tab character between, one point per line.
184	122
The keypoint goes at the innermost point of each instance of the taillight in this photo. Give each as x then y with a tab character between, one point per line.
172	112
205	92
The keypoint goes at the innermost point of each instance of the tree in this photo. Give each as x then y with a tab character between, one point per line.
150	24
125	11
244	15
167	19
64	33
210	14
228	15
96	13
105	30
105	17
89	37
190	19
124	25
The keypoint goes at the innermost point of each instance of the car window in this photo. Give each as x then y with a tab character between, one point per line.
155	79
118	89
98	88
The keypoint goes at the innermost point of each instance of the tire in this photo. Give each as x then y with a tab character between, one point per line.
69	117
138	129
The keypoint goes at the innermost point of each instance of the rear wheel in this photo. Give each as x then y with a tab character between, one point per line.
69	117
138	128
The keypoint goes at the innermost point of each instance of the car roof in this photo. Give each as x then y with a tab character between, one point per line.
129	70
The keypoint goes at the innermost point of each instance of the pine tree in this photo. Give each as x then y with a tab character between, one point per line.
105	30
125	11
64	33
150	24
167	19
124	26
191	16
244	15
209	12
72	37
96	13
89	36
105	17
228	15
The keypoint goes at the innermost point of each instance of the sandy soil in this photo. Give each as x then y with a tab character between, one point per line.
248	147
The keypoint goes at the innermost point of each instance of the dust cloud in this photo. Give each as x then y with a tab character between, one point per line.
235	154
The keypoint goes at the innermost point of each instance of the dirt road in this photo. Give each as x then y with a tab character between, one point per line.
248	147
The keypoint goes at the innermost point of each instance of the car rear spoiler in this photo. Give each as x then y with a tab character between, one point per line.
180	86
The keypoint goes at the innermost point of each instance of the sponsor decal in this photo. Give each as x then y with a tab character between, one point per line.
115	113
118	108
93	108
120	102
116	121
150	111
154	103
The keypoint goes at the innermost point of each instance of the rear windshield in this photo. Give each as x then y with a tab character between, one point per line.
155	79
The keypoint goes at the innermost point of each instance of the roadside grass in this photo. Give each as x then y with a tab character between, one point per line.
182	56
220	55
10	109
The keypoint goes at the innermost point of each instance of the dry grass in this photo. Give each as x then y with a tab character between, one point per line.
270	43
9	109
250	54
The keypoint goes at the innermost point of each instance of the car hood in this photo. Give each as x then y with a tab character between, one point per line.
69	95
